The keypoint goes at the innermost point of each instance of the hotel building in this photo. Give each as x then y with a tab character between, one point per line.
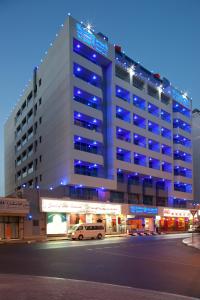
98	126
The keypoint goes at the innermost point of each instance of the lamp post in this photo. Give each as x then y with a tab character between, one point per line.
194	211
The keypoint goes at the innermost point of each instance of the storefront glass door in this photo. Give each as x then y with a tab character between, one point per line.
9	228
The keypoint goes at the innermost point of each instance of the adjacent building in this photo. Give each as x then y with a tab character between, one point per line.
95	126
196	152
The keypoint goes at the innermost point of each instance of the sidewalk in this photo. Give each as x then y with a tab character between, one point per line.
193	241
25	287
53	238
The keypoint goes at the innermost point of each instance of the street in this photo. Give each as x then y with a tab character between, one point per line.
159	263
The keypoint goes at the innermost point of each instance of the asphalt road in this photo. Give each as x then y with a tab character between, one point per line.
159	263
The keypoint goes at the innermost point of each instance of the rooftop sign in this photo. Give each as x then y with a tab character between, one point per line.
176	95
143	210
89	38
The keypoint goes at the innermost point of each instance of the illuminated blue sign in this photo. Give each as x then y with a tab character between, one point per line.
143	210
176	95
89	38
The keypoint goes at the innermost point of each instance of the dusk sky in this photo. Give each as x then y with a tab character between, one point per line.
163	35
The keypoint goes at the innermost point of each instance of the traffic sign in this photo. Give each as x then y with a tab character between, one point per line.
193	211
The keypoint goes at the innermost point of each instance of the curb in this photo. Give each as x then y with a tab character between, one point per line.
188	242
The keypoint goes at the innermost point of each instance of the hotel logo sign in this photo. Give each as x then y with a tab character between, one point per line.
90	39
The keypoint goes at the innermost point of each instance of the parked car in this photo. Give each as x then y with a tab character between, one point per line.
87	231
195	228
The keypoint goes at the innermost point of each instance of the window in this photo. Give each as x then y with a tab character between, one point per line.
40	101
40	139
138	102
40	120
153	109
122	74
122	93
154	145
165	99
40	177
139	140
40	158
138	83
35	109
81	228
152	92
123	114
40	81
139	121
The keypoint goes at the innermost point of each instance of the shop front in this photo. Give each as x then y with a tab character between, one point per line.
171	219
61	214
140	218
12	213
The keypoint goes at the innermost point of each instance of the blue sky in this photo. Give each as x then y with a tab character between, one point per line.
163	35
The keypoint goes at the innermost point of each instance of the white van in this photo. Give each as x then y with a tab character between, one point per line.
87	231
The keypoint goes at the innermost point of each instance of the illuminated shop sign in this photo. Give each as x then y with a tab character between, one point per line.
56	205
89	38
144	210
176	95
13	205
56	223
167	212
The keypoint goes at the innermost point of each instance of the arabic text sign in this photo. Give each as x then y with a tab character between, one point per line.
13	205
55	205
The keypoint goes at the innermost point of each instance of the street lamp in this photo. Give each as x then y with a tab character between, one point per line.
194	210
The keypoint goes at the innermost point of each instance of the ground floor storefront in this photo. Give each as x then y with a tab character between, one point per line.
171	219
12	214
61	214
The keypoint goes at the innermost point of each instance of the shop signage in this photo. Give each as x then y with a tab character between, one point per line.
56	205
168	212
89	38
143	210
12	205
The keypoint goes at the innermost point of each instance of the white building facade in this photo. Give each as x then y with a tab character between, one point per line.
100	125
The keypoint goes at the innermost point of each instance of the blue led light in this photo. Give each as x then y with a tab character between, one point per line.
94	98
119	110
78	69
118	90
94	77
95	121
78	92
78	46
94	55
